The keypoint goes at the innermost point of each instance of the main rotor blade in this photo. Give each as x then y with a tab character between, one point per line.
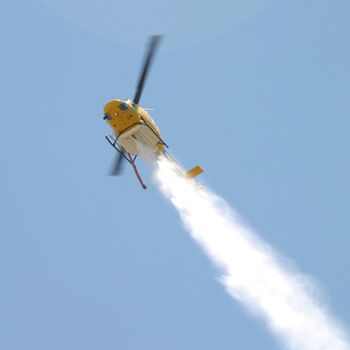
153	43
117	166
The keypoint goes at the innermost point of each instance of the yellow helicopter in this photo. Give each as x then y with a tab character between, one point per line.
132	125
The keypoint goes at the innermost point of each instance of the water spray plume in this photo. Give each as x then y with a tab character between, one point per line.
251	271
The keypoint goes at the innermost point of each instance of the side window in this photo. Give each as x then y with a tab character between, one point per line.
123	106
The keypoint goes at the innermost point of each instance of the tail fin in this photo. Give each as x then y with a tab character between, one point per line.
194	172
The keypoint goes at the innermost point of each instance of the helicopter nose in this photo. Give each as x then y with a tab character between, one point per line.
106	117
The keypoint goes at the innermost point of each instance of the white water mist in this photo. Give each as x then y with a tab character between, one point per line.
251	271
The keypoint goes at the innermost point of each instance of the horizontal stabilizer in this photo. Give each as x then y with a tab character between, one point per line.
194	172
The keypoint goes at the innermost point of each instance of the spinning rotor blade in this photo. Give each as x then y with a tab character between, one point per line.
117	166
153	43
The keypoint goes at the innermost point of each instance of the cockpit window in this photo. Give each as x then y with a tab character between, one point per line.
123	106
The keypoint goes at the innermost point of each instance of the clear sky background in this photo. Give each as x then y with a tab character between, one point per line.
256	92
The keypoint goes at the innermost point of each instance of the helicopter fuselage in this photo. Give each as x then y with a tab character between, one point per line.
132	124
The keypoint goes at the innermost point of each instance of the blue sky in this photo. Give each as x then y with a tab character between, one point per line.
255	92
